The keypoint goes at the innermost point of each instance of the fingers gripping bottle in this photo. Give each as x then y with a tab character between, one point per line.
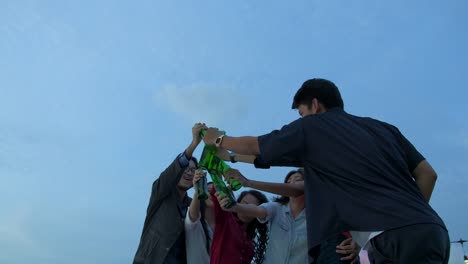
208	163
202	188
216	164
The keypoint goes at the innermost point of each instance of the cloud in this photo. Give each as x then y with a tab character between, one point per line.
214	106
12	228
16	240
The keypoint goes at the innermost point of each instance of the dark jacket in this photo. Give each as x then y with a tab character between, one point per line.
164	221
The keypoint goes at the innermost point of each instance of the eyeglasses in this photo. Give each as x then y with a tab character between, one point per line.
190	170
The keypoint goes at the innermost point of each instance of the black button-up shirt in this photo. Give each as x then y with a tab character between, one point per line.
357	173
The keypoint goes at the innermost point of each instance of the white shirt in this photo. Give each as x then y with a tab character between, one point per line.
195	241
362	238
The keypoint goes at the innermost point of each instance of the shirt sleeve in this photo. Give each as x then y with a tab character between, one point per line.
183	160
260	164
413	157
284	147
191	225
271	209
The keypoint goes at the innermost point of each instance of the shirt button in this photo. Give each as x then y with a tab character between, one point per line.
167	249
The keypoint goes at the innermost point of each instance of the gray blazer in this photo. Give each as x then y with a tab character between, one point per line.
164	222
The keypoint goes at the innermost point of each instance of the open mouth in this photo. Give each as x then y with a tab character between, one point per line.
188	178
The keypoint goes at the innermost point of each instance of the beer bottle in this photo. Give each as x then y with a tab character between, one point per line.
212	163
221	188
202	188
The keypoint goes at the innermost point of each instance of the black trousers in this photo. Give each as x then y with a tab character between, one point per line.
414	244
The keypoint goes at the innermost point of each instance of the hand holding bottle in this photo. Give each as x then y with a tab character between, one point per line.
196	177
224	202
211	135
200	183
196	129
236	175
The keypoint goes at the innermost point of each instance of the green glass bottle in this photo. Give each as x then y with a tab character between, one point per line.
221	188
209	162
202	188
214	164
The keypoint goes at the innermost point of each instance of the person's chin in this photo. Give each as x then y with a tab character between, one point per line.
184	187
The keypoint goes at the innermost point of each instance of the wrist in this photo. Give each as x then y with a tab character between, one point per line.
247	183
219	141
194	143
232	157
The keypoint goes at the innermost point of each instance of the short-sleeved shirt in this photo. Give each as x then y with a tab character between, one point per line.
357	173
195	241
287	239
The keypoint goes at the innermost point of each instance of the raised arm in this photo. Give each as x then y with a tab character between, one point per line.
246	209
224	155
194	208
283	147
170	177
283	189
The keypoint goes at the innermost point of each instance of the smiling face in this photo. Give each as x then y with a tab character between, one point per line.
185	181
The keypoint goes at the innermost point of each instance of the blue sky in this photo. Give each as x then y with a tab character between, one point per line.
97	97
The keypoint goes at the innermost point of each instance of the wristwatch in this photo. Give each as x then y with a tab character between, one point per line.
232	157
218	141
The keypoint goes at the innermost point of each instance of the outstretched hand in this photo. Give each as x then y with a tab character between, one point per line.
236	175
211	135
223	201
197	176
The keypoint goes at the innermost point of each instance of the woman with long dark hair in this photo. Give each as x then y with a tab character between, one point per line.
238	238
287	224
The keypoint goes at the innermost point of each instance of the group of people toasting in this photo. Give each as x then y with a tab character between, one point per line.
357	183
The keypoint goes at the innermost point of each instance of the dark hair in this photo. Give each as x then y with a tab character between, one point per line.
194	160
257	231
204	226
285	199
323	90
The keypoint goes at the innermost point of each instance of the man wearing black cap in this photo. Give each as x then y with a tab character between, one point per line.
361	174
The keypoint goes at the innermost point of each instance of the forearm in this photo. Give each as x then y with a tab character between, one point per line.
190	149
241	145
244	158
283	189
194	209
250	210
224	155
